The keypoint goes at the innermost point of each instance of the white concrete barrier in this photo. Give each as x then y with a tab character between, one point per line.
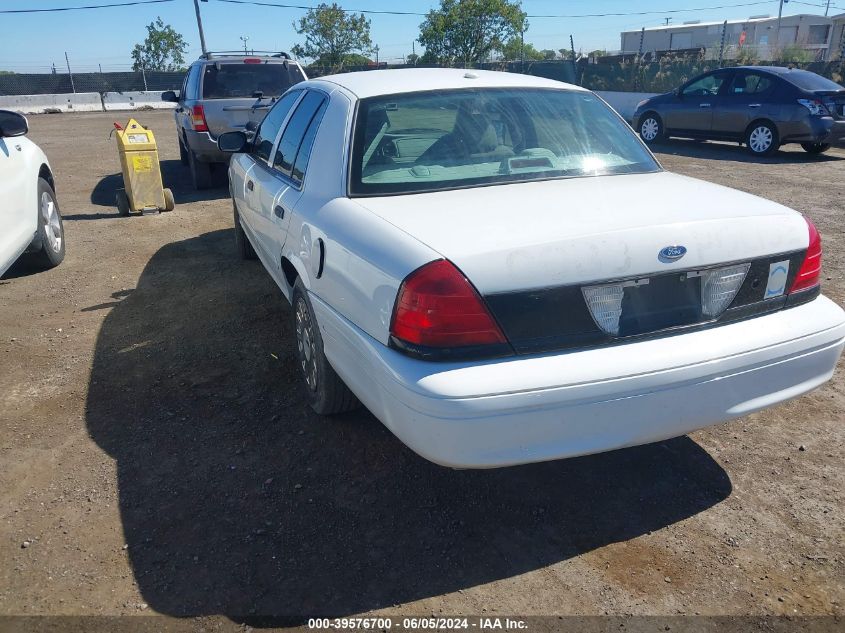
38	104
134	100
625	103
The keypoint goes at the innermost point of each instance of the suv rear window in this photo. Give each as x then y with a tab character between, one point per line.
806	80
242	80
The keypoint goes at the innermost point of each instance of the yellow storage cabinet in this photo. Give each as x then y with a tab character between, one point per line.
143	191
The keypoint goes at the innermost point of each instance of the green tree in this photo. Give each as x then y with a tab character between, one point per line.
164	49
332	35
468	31
548	54
413	59
512	50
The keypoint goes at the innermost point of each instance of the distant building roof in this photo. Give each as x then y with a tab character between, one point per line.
690	25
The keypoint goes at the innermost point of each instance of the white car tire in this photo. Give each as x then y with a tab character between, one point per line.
326	392
51	232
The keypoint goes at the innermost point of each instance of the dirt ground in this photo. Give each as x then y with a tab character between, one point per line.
158	455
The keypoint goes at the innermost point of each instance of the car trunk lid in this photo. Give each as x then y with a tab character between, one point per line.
547	256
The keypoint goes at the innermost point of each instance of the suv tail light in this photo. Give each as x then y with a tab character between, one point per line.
438	307
198	119
811	268
816	107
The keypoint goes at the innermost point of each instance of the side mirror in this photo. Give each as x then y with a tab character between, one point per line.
169	96
678	92
232	142
12	124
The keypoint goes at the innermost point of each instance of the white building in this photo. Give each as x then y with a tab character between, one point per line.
817	33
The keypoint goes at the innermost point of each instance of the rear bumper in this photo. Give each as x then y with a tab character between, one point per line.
535	408
205	147
816	130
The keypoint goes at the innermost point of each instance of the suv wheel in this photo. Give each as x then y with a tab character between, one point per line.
183	153
200	172
762	138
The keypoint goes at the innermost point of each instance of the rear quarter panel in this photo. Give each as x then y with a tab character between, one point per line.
365	257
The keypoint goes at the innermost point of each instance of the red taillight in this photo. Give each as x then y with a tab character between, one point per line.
437	307
198	119
811	269
252	60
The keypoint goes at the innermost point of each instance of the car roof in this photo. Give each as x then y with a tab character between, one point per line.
371	83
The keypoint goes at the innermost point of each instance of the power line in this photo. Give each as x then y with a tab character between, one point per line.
279	5
90	6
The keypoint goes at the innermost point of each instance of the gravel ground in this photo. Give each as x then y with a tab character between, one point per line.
158	455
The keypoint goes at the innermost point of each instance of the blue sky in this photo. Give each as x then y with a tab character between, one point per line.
31	42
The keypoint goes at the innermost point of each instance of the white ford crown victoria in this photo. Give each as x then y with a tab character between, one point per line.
502	273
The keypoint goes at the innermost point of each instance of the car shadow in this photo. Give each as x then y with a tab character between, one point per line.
717	150
173	174
237	499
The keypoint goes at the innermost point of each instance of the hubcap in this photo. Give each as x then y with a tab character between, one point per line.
52	223
306	345
760	139
649	129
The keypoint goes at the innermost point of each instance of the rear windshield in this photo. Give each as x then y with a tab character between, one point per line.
806	80
227	81
447	139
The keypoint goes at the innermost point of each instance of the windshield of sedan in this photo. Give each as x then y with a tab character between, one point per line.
429	141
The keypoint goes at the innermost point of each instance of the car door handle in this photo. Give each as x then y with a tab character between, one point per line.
753	105
250	185
279	211
703	105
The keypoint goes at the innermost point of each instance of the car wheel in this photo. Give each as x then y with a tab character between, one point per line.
51	231
200	172
651	128
325	391
815	148
762	138
183	153
242	244
122	202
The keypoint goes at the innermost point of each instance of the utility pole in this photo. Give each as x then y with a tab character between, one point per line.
414	50
144	76
72	87
199	26
722	46
642	39
522	50
780	15
827	8
667	21
244	39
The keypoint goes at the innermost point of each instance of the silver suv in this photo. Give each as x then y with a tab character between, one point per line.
225	92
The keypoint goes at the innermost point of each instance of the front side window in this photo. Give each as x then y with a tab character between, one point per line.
707	86
272	123
446	139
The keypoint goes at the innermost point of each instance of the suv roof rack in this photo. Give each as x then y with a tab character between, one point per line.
276	54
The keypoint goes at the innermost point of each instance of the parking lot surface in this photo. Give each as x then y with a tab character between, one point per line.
158	455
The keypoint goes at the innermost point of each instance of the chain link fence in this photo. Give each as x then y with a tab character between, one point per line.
64	83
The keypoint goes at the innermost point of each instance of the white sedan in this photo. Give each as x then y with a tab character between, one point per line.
498	269
29	214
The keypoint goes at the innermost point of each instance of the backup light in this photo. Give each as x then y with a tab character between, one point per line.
719	287
816	107
605	304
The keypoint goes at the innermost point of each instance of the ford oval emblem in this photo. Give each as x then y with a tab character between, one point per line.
671	253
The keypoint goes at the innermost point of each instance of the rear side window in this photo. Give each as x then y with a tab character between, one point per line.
272	123
750	83
192	83
295	131
243	80
304	153
806	80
